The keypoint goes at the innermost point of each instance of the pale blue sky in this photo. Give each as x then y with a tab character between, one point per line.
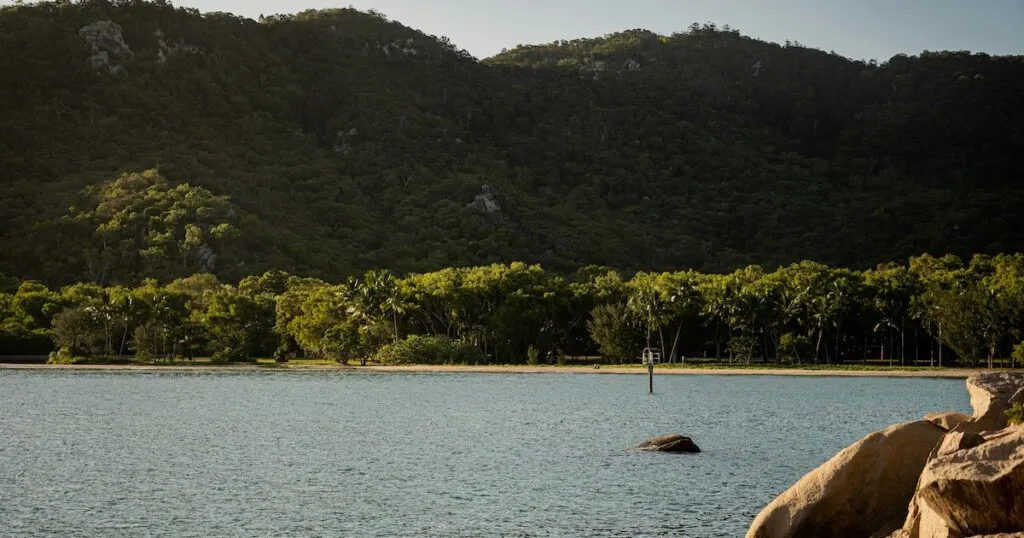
860	29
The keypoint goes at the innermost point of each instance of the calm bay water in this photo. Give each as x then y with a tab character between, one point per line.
347	454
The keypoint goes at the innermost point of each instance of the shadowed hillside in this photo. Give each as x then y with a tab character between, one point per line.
142	140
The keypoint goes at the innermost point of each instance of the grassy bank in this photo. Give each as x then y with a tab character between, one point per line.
858	370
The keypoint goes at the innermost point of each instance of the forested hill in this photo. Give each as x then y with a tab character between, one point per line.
142	140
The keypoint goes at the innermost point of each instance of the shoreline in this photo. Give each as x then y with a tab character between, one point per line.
951	373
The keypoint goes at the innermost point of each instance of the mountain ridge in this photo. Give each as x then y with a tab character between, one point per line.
344	141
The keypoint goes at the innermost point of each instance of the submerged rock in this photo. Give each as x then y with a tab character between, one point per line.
669	443
862	491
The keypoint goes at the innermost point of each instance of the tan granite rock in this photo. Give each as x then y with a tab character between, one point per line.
862	491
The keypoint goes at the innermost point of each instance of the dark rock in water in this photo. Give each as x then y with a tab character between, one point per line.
669	443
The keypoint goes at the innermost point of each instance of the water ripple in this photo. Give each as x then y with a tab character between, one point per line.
277	454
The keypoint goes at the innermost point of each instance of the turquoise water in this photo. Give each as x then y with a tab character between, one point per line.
352	454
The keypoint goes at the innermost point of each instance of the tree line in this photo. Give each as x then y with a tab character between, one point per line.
932	310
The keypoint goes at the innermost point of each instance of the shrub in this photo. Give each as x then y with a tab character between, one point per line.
65	356
1018	354
80	330
61	356
17	340
793	346
618	335
149	339
229	355
532	356
1015	414
428	350
743	347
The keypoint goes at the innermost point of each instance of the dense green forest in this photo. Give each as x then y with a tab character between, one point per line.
932	311
140	140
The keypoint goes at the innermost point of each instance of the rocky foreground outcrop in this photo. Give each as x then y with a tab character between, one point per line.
947	476
824	502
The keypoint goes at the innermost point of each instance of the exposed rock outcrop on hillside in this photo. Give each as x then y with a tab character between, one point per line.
107	44
948	476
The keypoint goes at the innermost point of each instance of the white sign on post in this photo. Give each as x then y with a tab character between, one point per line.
649	357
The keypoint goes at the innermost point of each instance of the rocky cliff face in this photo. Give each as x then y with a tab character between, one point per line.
947	476
107	44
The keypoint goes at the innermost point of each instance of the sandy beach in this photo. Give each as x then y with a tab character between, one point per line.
953	373
947	373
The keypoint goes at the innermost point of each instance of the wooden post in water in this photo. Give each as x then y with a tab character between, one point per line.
650	376
649	357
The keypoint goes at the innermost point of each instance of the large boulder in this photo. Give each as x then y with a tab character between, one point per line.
991	395
947	419
669	443
975	491
957	441
862	491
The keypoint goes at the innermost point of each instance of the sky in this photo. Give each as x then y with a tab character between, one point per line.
858	29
